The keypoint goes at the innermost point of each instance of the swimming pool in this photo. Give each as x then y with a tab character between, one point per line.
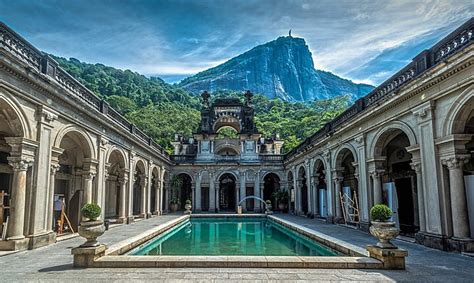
219	236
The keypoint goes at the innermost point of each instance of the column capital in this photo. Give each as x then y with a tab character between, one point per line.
46	115
424	111
54	168
19	164
416	165
455	162
376	173
338	179
88	175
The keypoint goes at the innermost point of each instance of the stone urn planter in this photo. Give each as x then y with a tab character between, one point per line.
384	232
173	207
268	207
281	206
93	228
187	207
381	228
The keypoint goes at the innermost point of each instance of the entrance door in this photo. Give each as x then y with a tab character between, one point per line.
227	197
406	215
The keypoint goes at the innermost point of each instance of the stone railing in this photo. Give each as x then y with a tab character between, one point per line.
451	44
21	49
271	158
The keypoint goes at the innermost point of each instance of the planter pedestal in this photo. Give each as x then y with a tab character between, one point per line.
84	257
391	258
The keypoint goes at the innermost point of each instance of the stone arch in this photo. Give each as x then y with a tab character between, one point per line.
14	128
120	151
114	197
279	174
220	174
385	134
271	184
226	148
227	191
83	136
459	112
140	164
225	119
185	192
155	187
140	179
318	161
320	182
337	157
8	103
185	172
302	190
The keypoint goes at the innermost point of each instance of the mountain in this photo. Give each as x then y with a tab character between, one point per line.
162	110
282	68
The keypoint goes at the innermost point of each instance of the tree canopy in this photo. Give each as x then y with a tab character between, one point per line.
162	110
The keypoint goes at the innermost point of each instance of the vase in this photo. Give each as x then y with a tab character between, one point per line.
188	209
91	230
384	232
281	206
174	207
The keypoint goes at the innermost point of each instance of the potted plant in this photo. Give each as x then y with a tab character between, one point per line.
188	207
281	197
383	229
176	183
92	227
268	207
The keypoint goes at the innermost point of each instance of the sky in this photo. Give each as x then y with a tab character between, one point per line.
365	41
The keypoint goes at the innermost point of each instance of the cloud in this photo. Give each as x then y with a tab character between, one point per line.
349	38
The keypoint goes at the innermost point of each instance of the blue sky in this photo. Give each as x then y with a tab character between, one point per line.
366	41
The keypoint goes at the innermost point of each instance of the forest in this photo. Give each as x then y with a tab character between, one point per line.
162	110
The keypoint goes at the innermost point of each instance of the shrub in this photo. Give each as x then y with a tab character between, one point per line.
281	196
188	202
380	212
91	211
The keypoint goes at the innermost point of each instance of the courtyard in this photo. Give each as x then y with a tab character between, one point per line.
54	262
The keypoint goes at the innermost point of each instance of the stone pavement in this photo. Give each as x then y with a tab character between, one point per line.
54	263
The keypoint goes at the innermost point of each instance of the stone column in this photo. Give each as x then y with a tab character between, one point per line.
458	195
309	192
431	167
377	185
197	203
87	179
316	194
157	188
420	195
123	199
337	195
256	188
295	191
55	153
16	221
298	202
218	197
50	203
242	191
162	191
149	187
143	186
212	194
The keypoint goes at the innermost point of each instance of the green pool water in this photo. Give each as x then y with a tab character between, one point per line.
232	236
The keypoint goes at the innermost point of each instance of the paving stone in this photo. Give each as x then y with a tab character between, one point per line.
54	263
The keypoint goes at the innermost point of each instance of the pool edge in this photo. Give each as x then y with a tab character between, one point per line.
115	258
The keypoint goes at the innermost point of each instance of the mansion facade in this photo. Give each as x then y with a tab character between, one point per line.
409	143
